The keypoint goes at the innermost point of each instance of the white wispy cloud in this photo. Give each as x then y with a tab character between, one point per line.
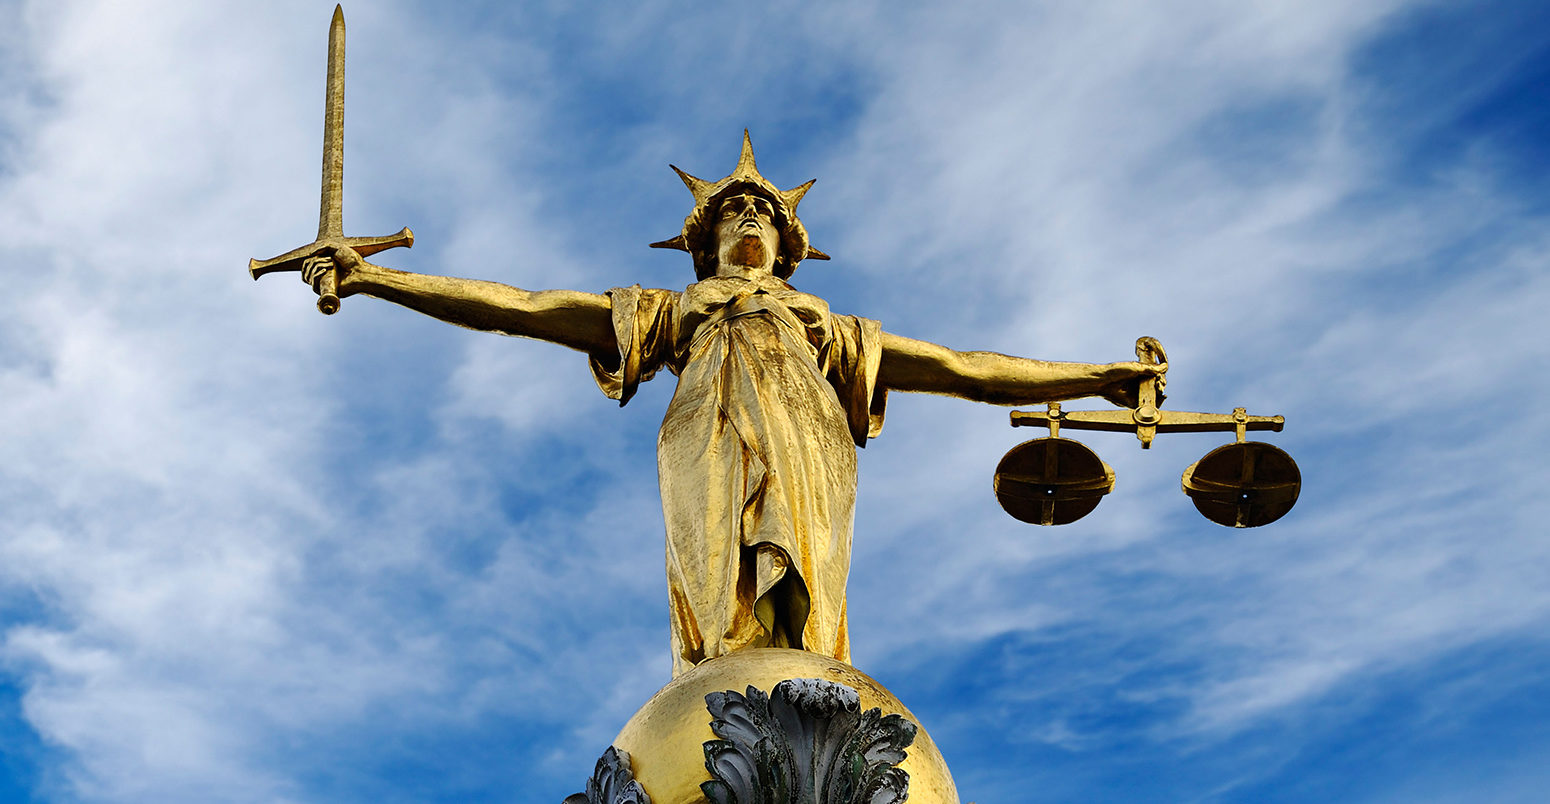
259	544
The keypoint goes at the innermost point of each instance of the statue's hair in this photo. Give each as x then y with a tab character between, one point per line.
698	236
699	231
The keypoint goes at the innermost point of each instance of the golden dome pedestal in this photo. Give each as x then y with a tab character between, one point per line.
666	740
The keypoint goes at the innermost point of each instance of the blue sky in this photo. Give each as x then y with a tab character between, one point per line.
250	553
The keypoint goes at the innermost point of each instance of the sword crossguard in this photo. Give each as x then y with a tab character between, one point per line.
328	293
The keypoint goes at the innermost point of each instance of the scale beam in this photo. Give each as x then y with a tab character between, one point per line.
1160	421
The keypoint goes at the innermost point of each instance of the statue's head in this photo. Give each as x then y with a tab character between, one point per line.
745	219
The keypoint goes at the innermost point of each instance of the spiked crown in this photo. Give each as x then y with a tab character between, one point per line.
698	235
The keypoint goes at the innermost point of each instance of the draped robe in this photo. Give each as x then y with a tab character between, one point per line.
756	456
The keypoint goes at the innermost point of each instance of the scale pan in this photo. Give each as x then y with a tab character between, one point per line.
1052	481
1243	485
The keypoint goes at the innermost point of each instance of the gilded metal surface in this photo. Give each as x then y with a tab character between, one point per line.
756	456
665	737
1146	417
1243	485
1146	414
698	234
1168	421
313	259
1052	481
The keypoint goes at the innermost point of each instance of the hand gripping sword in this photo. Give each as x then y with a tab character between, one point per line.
331	214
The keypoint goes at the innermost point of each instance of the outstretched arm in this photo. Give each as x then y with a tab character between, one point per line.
571	318
912	365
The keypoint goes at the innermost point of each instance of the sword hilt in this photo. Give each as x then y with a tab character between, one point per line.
328	289
330	215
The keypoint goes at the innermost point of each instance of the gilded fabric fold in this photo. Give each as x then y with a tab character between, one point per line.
642	325
755	458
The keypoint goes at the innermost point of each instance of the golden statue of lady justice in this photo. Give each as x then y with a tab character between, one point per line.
756	456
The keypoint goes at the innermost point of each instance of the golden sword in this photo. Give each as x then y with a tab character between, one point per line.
331	210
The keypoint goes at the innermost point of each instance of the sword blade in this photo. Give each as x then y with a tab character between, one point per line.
331	211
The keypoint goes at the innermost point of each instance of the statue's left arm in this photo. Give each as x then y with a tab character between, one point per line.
912	365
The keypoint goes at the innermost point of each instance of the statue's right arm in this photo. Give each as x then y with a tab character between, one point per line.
582	321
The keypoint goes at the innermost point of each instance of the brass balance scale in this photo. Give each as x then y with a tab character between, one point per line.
1056	481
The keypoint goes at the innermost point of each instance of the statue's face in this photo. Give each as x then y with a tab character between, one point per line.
746	238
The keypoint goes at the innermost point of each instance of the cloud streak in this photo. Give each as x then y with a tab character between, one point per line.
255	554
